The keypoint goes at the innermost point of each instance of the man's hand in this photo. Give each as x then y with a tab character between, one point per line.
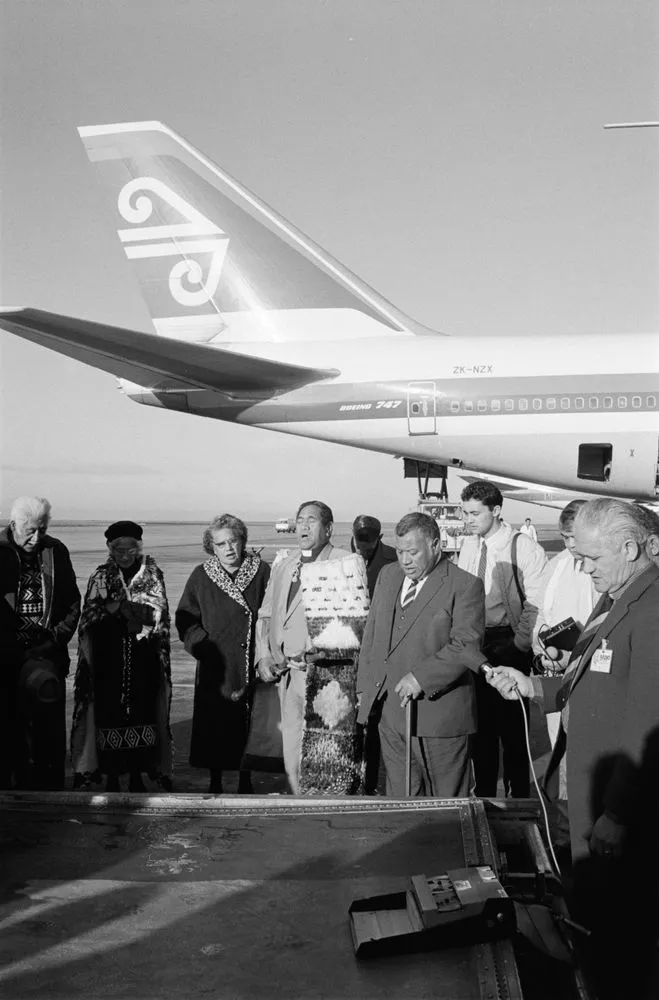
509	681
607	837
408	688
266	671
553	657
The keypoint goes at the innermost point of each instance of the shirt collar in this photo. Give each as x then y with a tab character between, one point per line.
499	539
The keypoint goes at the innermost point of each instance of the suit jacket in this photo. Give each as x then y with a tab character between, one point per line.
613	732
277	622
439	640
383	555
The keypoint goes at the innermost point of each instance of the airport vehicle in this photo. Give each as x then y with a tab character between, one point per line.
449	518
284	526
254	323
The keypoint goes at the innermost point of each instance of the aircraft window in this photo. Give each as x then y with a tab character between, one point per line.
593	402
496	405
595	462
608	402
455	406
579	403
551	403
415	408
622	402
469	406
482	406
523	404
651	402
537	404
565	403
636	402
509	404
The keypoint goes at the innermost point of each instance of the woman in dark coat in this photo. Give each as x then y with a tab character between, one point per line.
216	620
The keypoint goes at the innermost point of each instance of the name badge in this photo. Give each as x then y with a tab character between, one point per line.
602	658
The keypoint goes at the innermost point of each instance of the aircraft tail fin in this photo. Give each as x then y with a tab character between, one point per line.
216	264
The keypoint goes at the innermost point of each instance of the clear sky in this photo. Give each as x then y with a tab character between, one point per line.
450	153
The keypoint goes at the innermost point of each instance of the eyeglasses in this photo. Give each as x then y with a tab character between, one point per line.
124	552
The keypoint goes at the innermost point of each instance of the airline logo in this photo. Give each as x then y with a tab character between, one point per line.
143	202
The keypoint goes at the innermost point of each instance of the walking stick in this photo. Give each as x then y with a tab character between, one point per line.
408	749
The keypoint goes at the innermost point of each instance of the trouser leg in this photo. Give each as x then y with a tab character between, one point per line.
292	692
485	744
392	746
48	744
515	754
446	765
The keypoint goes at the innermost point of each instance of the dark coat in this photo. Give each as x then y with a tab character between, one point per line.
215	629
438	640
382	556
61	599
613	731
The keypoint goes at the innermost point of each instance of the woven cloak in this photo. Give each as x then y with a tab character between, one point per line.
336	602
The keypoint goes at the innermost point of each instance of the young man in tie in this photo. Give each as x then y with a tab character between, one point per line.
511	566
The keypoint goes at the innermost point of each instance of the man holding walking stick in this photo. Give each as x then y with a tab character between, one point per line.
422	642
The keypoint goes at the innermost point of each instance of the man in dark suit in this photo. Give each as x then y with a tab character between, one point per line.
609	737
422	639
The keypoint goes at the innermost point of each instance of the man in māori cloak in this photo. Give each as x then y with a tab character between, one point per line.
39	611
283	644
422	642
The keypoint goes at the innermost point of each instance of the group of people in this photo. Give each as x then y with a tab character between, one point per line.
460	641
451	655
122	692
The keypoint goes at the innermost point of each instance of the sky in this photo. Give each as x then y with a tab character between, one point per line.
450	154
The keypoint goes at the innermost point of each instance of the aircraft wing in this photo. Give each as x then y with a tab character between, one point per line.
541	496
157	363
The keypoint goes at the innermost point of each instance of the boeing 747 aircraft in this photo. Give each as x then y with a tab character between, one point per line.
255	324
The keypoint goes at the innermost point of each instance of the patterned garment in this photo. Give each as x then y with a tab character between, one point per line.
332	746
336	603
29	601
233	587
135	679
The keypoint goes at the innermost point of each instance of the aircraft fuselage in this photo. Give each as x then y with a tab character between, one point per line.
574	413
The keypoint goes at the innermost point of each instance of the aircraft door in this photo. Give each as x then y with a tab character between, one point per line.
421	408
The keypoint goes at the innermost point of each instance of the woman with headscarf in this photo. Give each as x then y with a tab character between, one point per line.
123	681
216	619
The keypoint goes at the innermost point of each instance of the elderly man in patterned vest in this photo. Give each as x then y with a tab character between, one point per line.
39	611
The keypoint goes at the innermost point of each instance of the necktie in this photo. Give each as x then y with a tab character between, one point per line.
410	595
295	580
482	563
600	612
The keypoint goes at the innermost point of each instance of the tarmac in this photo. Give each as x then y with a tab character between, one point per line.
117	896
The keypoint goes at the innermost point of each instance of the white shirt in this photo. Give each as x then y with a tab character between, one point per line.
498	547
567	592
407	584
529	530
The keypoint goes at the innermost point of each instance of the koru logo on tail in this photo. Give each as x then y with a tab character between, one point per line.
181	239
